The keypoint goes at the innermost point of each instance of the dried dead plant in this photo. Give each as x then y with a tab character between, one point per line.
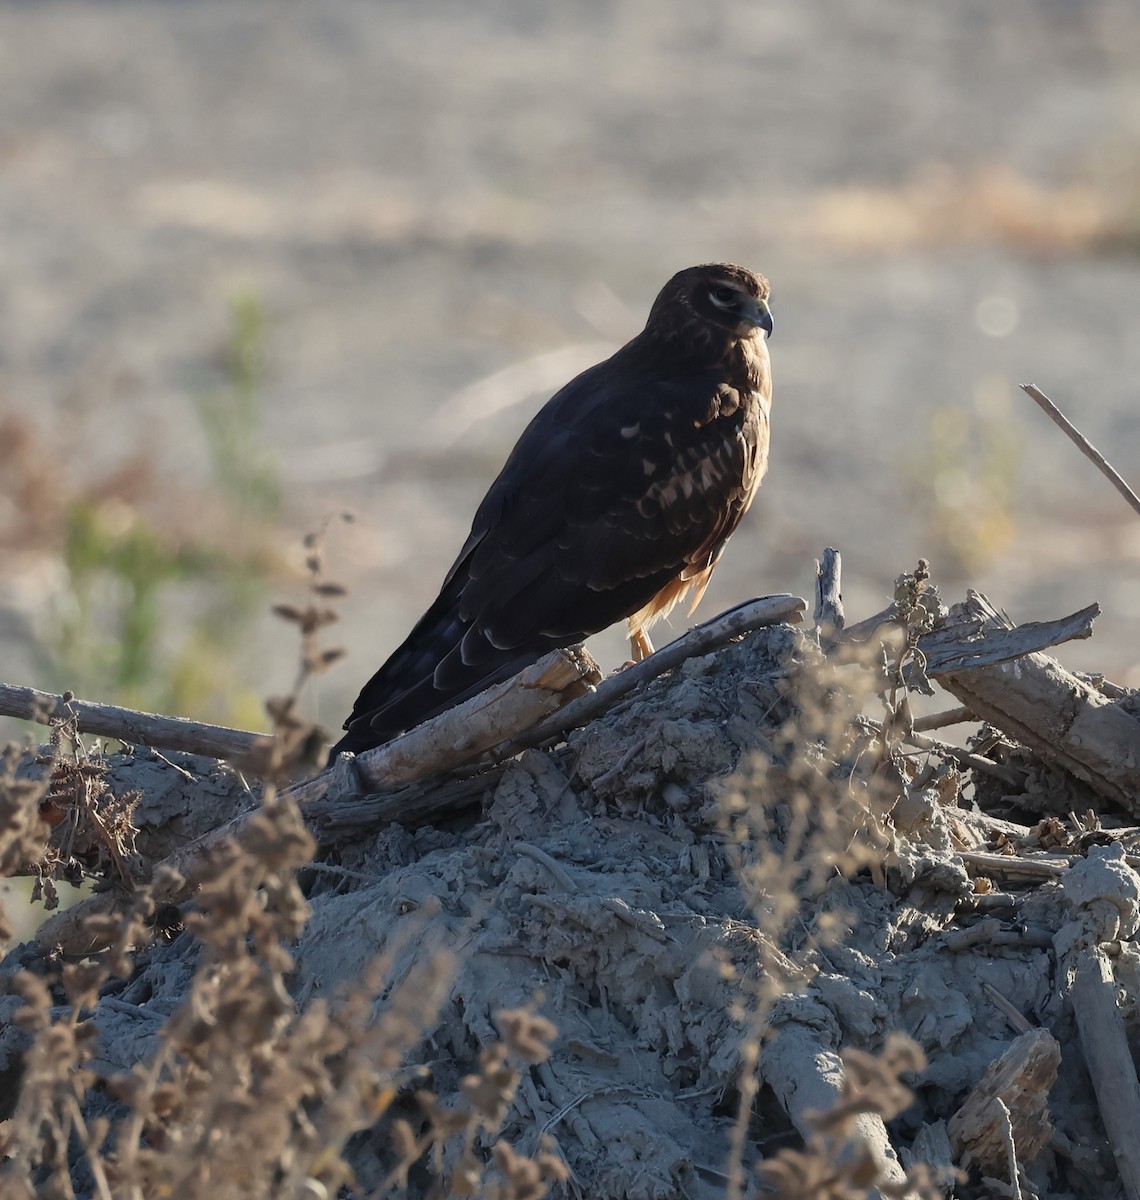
456	1131
248	1095
813	806
833	1164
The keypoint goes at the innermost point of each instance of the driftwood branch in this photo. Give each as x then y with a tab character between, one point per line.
132	727
829	615
1038	703
989	863
464	732
488	719
1010	1100
960	647
508	717
975	641
952	716
807	1079
498	717
1082	443
1105	1043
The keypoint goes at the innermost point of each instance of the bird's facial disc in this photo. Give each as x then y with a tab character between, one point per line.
750	312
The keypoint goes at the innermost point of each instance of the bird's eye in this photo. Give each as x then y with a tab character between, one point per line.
724	297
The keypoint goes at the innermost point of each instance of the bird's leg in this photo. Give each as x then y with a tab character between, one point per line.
639	645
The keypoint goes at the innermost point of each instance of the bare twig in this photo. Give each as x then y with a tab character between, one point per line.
1082	443
964	758
1012	864
952	716
131	726
863	631
1010	1147
1009	1010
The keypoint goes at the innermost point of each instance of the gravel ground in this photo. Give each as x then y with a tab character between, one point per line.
446	209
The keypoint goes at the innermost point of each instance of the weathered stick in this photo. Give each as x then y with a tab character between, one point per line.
1011	1013
132	727
829	615
1082	443
1041	705
488	719
976	762
963	758
1109	1059
1012	864
455	737
959	646
807	1078
952	716
977	642
1020	1080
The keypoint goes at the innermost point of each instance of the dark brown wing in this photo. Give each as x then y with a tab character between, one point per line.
617	486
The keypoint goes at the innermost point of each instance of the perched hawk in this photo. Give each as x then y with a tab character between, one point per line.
617	500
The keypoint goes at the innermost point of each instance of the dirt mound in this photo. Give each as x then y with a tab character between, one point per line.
721	893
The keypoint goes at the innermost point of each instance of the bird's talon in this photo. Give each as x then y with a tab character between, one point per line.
640	647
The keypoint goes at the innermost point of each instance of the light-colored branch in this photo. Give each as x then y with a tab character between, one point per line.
1082	443
1040	704
962	757
435	747
952	649
1012	864
1010	1101
455	736
806	1076
488	719
1105	1043
132	727
952	716
829	615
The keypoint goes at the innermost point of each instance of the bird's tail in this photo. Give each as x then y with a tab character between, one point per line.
443	661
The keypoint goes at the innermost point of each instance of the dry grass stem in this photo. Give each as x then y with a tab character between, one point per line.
1082	443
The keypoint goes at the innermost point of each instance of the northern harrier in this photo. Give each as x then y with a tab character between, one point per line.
617	500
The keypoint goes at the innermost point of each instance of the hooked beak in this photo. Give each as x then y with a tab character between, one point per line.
760	315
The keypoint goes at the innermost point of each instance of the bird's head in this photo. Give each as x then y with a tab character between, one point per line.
718	297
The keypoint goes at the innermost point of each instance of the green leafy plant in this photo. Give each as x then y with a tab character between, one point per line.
231	416
163	585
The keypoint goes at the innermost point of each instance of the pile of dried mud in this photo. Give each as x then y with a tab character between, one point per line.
601	878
